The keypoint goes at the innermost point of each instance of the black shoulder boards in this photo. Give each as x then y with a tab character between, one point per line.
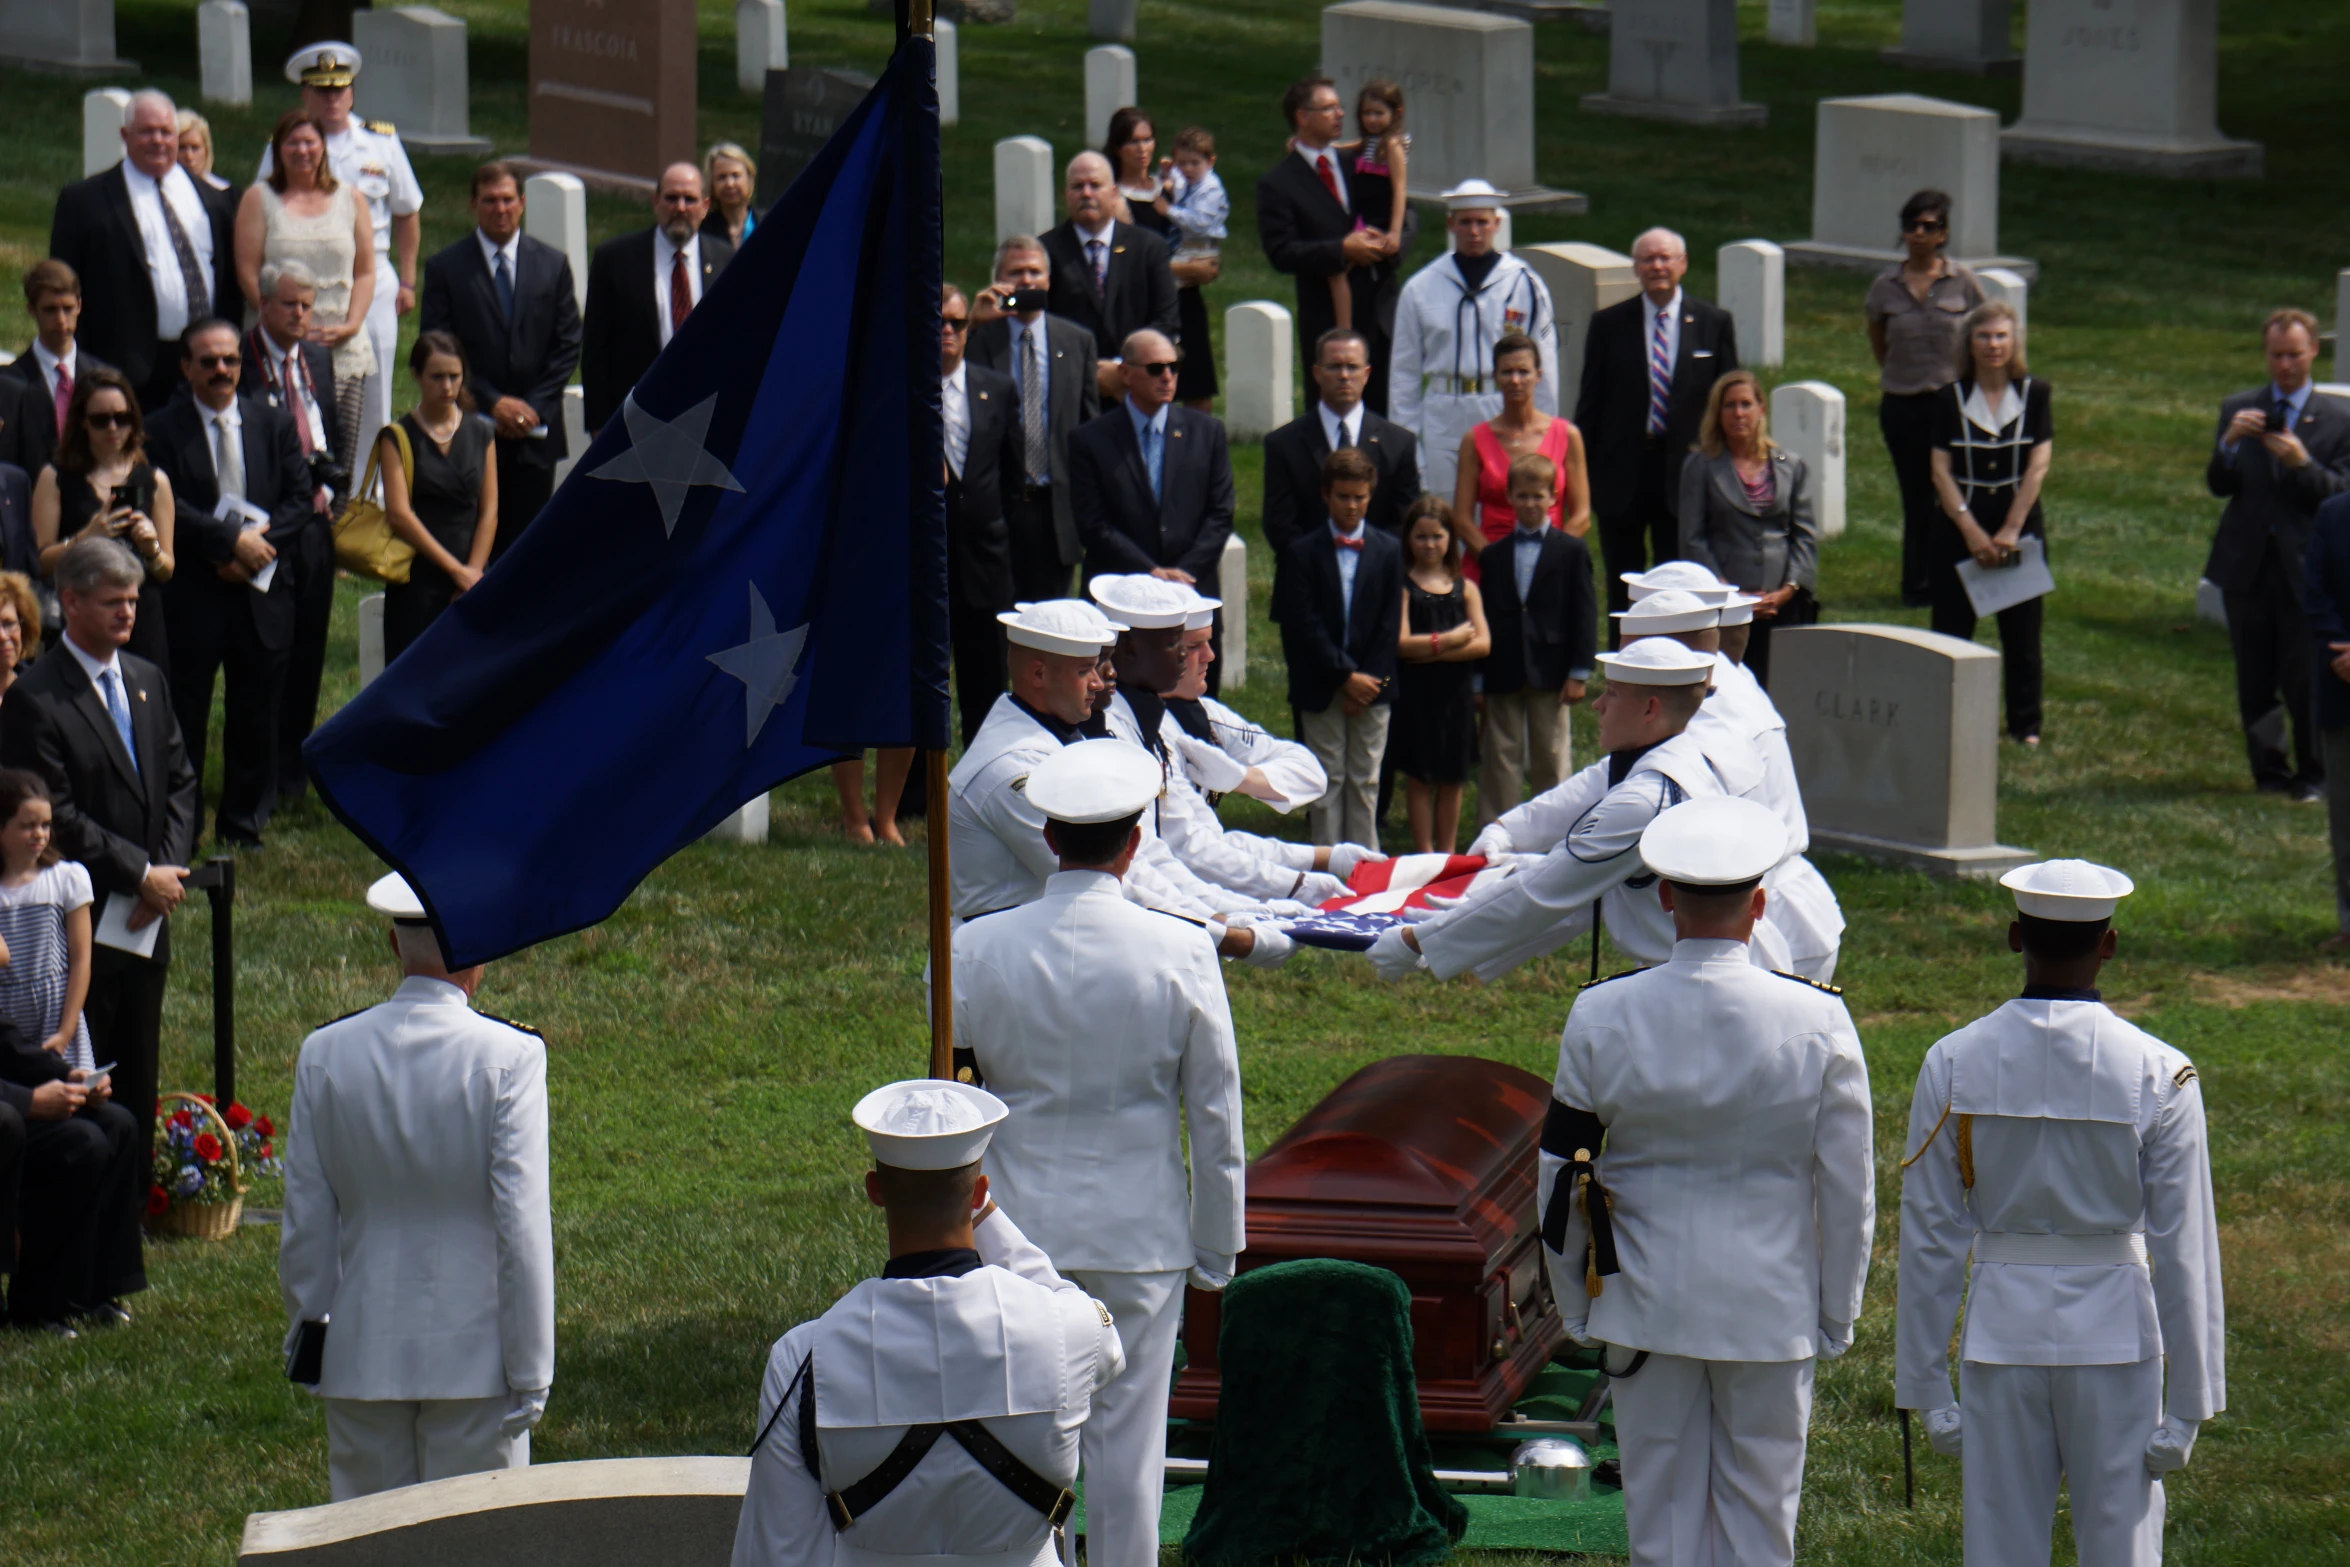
524	1028
346	1017
1604	978
1833	990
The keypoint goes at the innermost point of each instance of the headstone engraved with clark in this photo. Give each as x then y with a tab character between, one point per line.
612	89
1674	60
1872	154
1583	280
72	36
1807	417
801	110
224	52
417	77
1956	35
1895	735
1468	77
2126	84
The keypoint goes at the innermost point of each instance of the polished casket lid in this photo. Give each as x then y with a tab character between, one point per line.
1410	1132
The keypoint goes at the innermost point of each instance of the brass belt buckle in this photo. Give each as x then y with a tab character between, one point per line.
1063	1506
841	1516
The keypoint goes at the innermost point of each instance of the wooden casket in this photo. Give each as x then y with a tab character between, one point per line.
1423	1165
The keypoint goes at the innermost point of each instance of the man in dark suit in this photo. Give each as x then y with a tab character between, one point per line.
1340	613
1051	363
1648	365
154	248
1544	621
2282	450
981	409
96	724
1340	417
1306	224
287	371
1111	278
18	549
510	300
209	443
28	430
53	361
73	1180
641	287
2325	590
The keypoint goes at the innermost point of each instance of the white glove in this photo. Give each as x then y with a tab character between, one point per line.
1579	1331
1832	1340
1495	839
523	1408
1344	857
2172	1441
1943	1430
1212	1270
1391	957
1318	889
1271	950
1210	767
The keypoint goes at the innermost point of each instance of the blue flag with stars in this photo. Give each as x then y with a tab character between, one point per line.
743	577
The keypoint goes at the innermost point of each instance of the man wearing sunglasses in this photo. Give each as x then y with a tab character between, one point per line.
984	477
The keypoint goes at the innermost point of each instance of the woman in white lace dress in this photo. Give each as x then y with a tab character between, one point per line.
301	212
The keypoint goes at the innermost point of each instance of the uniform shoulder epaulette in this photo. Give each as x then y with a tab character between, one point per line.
382	127
2182	1077
1196	924
345	1018
1816	984
520	1028
1604	978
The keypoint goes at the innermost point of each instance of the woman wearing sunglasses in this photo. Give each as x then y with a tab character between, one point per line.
1917	308
101	485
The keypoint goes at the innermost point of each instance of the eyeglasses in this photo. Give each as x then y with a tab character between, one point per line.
955	323
1345	369
1928	226
1167	368
219	361
107	421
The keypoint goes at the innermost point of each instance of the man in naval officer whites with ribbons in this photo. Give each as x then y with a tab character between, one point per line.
933	1412
1105	1028
2063	1148
1708	1192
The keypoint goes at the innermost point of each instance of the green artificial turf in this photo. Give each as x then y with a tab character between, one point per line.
706	1042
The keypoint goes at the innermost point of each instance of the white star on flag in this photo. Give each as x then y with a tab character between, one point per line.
670	455
765	664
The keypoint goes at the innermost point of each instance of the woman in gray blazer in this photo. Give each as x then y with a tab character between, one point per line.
1748	513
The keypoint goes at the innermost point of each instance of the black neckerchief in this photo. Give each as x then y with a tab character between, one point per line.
1191	716
1064	732
2060	993
1097	724
1147	708
1621	763
1475	270
951	1262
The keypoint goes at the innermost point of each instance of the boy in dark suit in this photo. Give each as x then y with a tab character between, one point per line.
1341	611
1544	616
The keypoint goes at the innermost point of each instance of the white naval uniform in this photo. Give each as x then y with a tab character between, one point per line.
1223	875
1588	834
1010	1343
999	857
1742	1191
1440	374
2095	1271
375	164
1803	905
418	1227
1293	775
1092	1156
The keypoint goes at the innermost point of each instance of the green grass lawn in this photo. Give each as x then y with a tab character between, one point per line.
707	1041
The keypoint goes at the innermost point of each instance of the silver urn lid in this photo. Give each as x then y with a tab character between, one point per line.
1554	1467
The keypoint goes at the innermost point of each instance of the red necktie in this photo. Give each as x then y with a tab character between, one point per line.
1329	178
681	294
301	412
64	397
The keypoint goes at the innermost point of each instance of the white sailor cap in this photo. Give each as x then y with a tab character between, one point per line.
1142	601
392	895
1094	781
1070	627
1738	609
1471	196
1657	661
1717	842
1203	611
929	1124
327	64
2067	890
1686	575
1668	610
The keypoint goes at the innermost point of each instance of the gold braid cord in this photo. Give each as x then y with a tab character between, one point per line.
1965	1137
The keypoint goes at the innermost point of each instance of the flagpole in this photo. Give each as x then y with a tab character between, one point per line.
942	947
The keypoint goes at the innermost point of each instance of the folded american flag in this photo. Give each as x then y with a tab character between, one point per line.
1408	880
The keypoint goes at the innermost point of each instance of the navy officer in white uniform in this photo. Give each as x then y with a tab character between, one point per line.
1105	1028
1715	1119
2061	1150
932	1415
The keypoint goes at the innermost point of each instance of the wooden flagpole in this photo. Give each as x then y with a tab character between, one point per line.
942	946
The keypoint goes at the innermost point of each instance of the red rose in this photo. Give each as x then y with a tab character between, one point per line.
182	1118
267	1152
237	1117
157	1200
261	1125
207	1147
207	1098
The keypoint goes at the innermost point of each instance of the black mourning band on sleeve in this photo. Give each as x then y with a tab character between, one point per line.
1565	1129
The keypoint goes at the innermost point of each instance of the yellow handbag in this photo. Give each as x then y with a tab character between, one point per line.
365	544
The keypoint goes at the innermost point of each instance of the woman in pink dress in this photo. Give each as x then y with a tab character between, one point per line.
1481	501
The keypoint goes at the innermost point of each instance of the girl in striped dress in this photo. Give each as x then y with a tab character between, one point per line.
44	924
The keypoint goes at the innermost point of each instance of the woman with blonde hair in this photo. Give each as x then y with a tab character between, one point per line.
1748	513
196	148
20	626
731	176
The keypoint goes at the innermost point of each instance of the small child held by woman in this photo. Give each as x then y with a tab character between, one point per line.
44	925
1374	182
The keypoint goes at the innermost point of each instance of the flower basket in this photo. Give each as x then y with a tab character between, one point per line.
199	1187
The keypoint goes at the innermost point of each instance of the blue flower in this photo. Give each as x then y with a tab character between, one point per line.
191	1181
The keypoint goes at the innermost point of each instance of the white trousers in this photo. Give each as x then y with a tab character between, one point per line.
383	331
380	1444
1713	1460
1349	750
1446	418
1123	1449
2029	1426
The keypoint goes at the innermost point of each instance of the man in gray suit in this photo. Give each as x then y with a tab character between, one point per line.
1018	342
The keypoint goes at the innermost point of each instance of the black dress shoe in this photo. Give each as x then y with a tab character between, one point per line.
2309	794
106	1314
55	1328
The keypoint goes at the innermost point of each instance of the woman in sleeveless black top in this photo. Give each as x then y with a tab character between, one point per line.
447	504
101	467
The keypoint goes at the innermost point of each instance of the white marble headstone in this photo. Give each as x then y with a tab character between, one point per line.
224	52
1109	87
1753	288
1792	22
1232	588
1807	417
747	825
554	212
417	77
371	639
73	33
1024	186
762	43
575	431
1674	60
1258	373
1955	35
947	46
1872	154
1583	280
2010	288
1111	19
2126	84
102	112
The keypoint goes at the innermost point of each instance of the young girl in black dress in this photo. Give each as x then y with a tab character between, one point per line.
1433	736
1374	183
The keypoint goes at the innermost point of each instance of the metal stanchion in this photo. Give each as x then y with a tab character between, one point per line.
218	878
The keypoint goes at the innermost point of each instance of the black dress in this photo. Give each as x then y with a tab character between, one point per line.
445	493
77	503
1987	465
1195	375
1433	736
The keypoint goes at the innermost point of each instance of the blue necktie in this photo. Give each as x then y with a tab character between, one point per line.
1154	458
504	278
110	688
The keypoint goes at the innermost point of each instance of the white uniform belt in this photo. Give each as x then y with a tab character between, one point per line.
1041	1554
2123	1246
1455	385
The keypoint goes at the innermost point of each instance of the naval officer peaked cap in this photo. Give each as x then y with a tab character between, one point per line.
1738	609
1657	661
1145	602
1686	575
1094	781
2067	890
392	895
1471	196
929	1124
1720	842
1070	627
328	64
1669	610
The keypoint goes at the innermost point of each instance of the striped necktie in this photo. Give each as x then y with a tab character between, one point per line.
1660	371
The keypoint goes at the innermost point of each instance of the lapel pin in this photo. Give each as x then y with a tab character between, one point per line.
1117	250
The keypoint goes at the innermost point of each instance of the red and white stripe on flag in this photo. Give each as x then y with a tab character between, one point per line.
1408	880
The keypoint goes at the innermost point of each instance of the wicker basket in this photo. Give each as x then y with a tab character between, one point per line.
205	1221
